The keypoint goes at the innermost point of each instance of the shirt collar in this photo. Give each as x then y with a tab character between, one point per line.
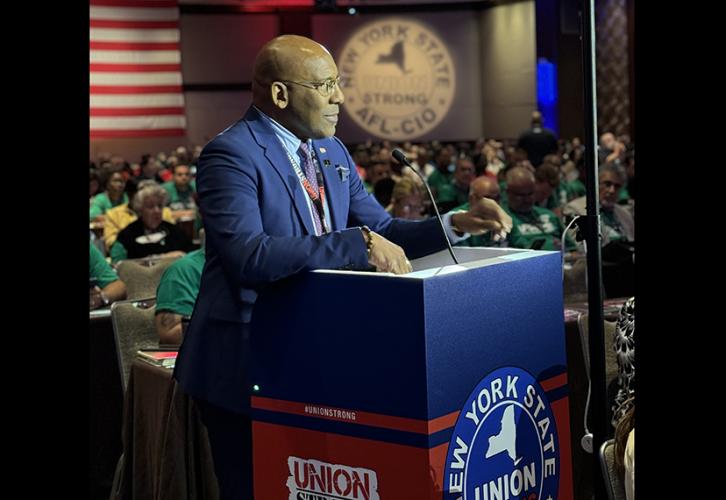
289	140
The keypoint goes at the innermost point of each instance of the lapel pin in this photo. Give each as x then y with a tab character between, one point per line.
323	150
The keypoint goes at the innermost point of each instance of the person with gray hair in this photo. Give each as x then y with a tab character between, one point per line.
150	234
616	221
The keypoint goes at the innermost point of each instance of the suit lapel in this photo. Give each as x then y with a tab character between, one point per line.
333	185
275	154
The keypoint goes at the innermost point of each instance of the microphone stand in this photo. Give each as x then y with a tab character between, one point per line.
591	226
401	158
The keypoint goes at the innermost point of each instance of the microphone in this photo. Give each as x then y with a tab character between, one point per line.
401	158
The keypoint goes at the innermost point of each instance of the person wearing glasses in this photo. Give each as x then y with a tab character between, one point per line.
281	195
616	221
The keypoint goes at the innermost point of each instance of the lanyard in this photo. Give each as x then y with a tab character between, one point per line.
316	198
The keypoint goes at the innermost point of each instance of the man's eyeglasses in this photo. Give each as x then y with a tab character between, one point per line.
325	88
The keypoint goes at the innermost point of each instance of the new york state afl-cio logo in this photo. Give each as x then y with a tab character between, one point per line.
504	445
398	78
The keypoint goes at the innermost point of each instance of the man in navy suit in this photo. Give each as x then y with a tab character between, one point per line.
281	195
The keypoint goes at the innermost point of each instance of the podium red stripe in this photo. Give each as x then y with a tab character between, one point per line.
376	419
443	422
554	382
361	417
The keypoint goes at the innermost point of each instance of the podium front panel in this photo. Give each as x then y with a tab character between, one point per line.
362	383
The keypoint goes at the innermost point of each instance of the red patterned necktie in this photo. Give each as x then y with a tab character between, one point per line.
308	165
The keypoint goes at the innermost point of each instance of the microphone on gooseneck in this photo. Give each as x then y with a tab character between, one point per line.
401	158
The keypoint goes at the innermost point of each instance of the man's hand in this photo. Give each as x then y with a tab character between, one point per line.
388	257
95	298
485	215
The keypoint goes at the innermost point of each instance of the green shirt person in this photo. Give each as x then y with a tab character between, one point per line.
177	294
107	287
532	226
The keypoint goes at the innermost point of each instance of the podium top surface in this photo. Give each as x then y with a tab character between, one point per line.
440	263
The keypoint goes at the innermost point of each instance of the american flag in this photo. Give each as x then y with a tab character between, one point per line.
136	82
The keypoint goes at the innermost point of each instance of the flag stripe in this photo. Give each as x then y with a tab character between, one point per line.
134	35
138	122
136	78
137	101
111	133
135	3
136	111
135	57
105	23
135	89
125	68
106	46
135	69
134	14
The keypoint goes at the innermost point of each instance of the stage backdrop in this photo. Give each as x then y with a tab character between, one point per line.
462	75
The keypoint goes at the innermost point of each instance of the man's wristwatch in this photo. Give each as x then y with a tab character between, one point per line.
104	299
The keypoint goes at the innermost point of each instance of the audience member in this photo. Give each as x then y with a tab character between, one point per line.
106	286
113	195
121	216
537	141
150	234
180	189
176	295
407	201
616	221
456	192
532	226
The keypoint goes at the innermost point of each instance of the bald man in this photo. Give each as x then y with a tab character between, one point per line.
482	187
280	196
534	227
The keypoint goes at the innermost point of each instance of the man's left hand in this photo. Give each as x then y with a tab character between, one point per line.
485	215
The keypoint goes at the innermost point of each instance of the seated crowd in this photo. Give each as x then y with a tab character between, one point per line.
138	210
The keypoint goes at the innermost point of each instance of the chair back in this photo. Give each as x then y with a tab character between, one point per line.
142	276
575	282
133	329
611	358
614	485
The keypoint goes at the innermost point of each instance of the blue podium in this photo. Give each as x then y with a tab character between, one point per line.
448	382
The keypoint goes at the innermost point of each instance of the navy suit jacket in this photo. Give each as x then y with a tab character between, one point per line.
259	230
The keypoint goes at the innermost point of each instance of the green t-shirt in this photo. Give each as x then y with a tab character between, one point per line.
503	199
179	285
610	227
448	193
574	189
101	203
182	200
539	225
118	252
438	179
623	195
100	269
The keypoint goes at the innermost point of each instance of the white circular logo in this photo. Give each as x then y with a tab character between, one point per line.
398	78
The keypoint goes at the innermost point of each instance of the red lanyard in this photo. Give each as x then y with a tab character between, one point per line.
317	198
